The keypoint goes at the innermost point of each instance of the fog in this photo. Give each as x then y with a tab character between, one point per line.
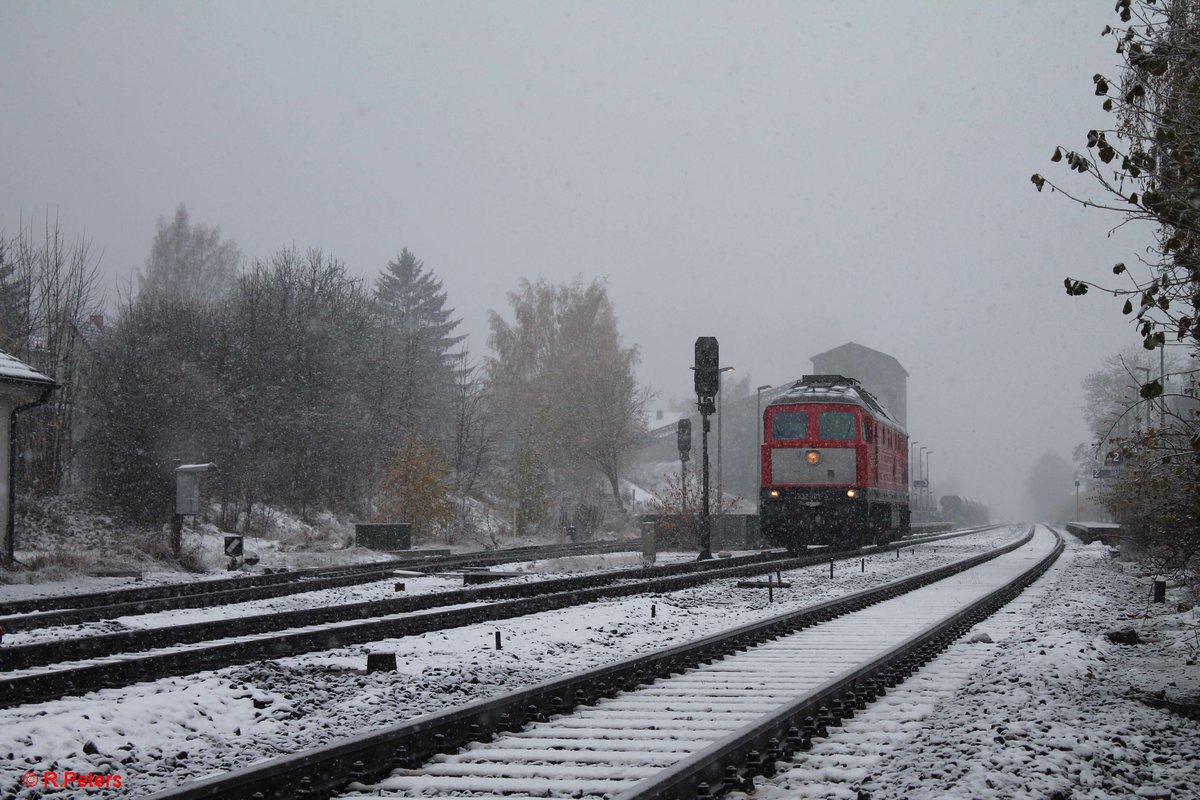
786	177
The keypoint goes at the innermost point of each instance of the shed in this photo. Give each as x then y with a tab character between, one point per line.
21	387
880	373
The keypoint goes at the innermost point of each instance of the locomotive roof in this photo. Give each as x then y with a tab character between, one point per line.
832	388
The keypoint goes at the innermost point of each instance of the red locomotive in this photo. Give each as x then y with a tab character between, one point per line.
834	467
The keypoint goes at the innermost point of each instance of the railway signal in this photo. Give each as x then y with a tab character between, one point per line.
708	372
708	383
684	438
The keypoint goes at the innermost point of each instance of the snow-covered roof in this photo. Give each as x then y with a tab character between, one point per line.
662	419
13	370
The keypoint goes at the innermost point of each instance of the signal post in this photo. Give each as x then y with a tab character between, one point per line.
708	383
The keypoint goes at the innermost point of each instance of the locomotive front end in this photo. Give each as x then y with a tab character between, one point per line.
811	492
833	468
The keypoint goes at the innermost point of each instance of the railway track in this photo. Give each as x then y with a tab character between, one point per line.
695	720
37	672
76	609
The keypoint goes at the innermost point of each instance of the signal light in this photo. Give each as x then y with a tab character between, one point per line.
708	371
683	436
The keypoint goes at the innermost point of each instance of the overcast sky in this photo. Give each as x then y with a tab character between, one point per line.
786	177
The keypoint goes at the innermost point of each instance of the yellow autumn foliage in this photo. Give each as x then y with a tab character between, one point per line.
416	487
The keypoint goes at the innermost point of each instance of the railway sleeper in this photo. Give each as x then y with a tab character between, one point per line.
829	714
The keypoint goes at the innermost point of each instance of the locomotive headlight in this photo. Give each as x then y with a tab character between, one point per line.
813	457
851	493
773	493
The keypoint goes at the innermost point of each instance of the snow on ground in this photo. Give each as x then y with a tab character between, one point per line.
414	583
1040	705
160	734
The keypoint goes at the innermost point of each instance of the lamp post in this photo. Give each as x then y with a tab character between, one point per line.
1148	406
1162	381
720	486
912	454
758	440
921	491
928	488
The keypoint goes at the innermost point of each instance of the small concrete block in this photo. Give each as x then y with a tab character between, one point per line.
381	662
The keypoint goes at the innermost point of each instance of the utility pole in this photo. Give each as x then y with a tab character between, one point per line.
720	483
758	442
1162	381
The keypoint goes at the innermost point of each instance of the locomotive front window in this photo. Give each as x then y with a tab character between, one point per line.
790	425
836	425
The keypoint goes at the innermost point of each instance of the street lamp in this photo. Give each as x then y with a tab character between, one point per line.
1148	407
758	439
920	490
720	486
912	477
928	488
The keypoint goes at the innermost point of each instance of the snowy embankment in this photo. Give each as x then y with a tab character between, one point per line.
399	583
159	734
1036	702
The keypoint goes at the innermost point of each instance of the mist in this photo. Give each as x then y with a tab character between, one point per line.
786	177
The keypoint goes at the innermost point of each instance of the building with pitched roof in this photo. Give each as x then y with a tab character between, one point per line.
879	373
21	387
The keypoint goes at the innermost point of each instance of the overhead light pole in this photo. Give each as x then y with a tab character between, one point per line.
928	488
912	476
1147	404
720	485
758	440
920	489
1162	381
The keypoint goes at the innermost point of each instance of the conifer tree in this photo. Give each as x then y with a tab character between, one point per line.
418	367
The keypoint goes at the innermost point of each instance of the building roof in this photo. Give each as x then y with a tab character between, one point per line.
13	370
861	351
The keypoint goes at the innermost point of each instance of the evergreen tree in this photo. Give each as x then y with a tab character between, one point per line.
13	317
417	379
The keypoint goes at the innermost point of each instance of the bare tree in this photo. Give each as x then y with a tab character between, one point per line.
1145	168
54	297
190	260
562	375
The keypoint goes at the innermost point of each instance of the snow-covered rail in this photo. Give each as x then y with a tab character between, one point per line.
50	611
36	672
725	717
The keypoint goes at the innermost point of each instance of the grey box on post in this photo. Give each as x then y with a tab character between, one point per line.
386	536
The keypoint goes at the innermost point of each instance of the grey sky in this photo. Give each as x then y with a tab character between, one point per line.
784	176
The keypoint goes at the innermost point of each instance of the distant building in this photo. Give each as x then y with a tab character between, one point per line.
878	372
21	387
